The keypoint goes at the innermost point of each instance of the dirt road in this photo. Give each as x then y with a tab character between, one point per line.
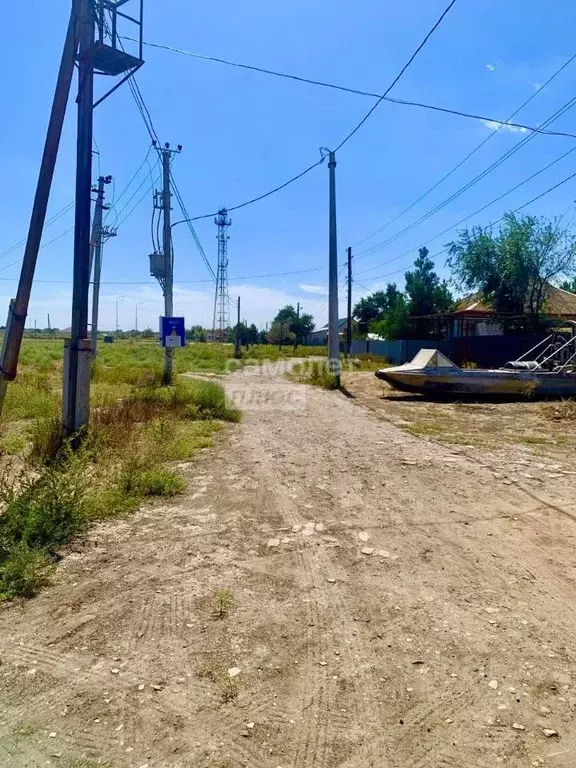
386	604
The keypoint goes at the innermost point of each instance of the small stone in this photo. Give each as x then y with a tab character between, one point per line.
448	720
323	663
246	734
367	550
549	732
141	687
409	690
363	536
382	553
250	725
518	727
234	671
156	687
52	735
493	684
120	727
320	527
115	671
273	543
331	581
296	528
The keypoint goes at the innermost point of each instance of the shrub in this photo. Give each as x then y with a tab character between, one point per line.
24	572
139	481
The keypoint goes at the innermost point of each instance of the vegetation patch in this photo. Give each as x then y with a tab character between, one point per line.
314	372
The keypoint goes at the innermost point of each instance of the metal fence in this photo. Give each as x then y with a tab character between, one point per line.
484	351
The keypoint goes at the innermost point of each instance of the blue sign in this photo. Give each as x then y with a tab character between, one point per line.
172	332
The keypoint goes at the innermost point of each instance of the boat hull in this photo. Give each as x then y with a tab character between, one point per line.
495	383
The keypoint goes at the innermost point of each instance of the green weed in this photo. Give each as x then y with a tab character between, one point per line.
222	603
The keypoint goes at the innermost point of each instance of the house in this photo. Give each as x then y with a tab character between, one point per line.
320	337
473	315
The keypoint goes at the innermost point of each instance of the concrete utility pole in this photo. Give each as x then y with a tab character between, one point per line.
77	352
333	335
349	323
117	313
99	236
297	327
19	306
138	304
237	339
168	255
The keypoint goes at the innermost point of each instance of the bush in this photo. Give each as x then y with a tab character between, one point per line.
139	481
315	372
24	572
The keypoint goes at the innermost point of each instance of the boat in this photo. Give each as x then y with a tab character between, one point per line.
547	370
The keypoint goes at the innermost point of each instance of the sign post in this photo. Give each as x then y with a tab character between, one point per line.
172	332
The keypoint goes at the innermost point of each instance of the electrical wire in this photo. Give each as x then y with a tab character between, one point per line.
439	21
54	218
488	226
118	223
179	282
471	153
565	108
356	91
128	185
487	205
44	245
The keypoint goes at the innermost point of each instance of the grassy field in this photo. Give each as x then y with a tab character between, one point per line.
317	373
50	492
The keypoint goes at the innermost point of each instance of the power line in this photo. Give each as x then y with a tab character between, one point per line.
148	122
45	245
178	282
54	218
398	76
359	92
468	185
470	154
492	224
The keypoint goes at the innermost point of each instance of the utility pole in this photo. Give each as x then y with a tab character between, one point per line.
237	339
76	389
19	306
102	56
333	335
49	326
297	327
349	322
138	304
99	235
162	264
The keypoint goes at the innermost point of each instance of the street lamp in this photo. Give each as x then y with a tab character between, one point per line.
117	323
138	304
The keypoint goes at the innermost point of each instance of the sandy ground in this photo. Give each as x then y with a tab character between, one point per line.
389	603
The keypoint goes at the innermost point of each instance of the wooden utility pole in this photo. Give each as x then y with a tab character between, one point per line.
237	351
19	306
333	330
349	321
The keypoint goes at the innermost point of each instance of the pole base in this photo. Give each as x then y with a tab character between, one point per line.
74	418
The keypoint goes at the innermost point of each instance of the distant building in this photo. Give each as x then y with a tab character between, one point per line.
320	337
473	315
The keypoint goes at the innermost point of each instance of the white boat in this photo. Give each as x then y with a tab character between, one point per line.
550	372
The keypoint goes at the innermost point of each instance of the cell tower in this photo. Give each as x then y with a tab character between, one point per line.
222	299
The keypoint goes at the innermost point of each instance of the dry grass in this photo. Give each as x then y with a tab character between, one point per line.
543	429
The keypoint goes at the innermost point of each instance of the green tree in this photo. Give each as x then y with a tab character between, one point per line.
569	285
298	325
372	308
196	333
426	295
395	322
512	269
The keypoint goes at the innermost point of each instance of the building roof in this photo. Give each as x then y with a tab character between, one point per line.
341	321
558	302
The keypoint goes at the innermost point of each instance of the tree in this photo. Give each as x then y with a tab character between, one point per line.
569	285
371	308
280	334
196	333
427	295
395	322
513	268
299	325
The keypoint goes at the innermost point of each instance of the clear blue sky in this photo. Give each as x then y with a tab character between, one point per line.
245	132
